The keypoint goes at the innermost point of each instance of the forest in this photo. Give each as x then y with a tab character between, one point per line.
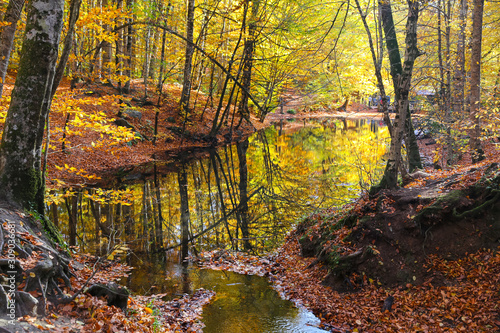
249	166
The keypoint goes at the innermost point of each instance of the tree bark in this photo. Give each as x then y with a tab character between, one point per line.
107	50
188	62
401	75
21	147
12	15
459	78
475	81
248	54
129	40
377	63
74	14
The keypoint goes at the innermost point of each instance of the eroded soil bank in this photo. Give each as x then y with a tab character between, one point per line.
426	252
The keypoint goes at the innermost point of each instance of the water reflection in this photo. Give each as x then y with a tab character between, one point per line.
243	303
245	196
247	304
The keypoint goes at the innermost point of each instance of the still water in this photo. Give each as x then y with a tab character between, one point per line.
245	197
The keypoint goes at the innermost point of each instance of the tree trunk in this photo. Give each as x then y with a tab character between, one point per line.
248	52
21	147
72	208
147	58
401	76
188	62
162	55
12	15
107	50
129	49
475	81
459	78
377	63
74	14
119	49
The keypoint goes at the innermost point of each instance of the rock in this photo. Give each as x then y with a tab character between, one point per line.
419	174
123	123
388	304
115	294
133	113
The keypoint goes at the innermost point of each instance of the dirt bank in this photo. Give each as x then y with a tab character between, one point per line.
428	252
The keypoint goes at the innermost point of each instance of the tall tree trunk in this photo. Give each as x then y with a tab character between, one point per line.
475	81
119	49
216	123
12	15
459	78
107	50
447	96
401	75
188	62
147	58
396	70
248	52
377	63
129	40
74	14
21	147
162	56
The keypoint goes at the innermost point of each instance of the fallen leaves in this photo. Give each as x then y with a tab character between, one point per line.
468	305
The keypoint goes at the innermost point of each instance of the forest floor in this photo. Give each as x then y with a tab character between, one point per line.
428	251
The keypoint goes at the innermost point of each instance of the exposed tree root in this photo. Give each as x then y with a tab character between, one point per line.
479	209
30	259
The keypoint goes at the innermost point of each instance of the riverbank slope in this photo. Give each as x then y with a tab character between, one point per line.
421	258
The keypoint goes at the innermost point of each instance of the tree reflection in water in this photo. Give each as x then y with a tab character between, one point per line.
246	196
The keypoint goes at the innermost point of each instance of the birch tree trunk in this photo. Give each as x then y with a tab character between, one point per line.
21	147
